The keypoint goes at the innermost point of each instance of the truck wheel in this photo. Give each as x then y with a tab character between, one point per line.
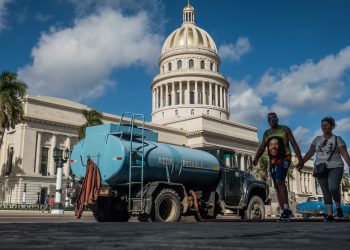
167	206
255	209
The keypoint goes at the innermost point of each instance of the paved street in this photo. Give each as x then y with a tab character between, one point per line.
38	231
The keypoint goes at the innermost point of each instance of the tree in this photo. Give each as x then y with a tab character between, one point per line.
262	170
12	92
345	182
92	117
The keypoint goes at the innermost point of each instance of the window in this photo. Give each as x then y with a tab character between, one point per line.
177	97
9	160
169	66
169	99
191	64
192	97
176	112
60	154
179	64
192	111
202	64
211	66
44	161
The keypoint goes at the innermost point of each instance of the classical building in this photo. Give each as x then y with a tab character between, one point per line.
189	107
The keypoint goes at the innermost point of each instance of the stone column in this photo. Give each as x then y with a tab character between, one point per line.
225	99
153	102
196	92
216	95
158	98
38	154
166	95
173	94
52	162
204	97
188	93
162	96
243	166
181	95
221	99
210	93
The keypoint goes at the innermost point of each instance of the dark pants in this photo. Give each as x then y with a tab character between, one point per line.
330	185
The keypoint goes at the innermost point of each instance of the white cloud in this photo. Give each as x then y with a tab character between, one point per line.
343	125
245	105
301	136
76	62
235	51
309	86
3	13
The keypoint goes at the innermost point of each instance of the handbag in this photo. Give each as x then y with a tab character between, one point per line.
321	168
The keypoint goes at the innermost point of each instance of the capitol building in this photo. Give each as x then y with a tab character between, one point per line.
190	106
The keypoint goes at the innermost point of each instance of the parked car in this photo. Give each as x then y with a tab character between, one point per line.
314	206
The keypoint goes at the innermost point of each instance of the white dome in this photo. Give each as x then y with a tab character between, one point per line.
189	36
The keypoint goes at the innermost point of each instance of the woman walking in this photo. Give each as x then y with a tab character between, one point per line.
329	149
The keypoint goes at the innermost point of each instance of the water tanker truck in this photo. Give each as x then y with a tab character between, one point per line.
161	182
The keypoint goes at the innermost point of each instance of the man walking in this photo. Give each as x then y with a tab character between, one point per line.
277	140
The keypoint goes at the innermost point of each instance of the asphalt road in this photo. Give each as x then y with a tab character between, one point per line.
37	231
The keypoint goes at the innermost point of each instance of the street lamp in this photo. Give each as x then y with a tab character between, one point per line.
59	160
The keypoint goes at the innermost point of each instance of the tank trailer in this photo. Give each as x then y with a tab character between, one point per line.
161	182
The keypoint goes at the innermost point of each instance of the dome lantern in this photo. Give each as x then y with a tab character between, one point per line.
188	13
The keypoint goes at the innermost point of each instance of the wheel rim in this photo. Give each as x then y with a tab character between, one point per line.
167	209
256	212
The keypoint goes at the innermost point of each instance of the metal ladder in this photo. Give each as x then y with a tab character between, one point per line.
133	168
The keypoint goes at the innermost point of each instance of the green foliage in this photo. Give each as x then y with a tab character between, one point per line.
92	117
345	182
12	92
262	170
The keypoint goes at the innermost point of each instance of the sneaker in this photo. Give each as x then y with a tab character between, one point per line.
286	215
329	218
339	212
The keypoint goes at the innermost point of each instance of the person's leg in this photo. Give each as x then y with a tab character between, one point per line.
334	179
323	181
281	174
275	185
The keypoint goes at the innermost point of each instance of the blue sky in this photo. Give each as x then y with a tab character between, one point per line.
292	57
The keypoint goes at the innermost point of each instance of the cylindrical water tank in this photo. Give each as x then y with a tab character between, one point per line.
162	162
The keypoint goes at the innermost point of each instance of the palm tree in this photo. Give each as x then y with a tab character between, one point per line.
12	92
92	117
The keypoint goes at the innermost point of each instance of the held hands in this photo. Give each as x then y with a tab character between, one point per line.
300	165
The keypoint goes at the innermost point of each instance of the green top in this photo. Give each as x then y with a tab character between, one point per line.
277	143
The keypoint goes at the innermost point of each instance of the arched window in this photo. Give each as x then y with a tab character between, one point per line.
191	64
202	64
179	64
211	66
192	111
169	66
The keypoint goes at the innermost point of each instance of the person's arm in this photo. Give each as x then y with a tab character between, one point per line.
294	144
309	153
344	153
260	151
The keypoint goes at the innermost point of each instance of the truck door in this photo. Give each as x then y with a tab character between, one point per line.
232	186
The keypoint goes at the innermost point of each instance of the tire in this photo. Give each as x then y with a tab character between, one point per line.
306	216
167	206
255	209
106	210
